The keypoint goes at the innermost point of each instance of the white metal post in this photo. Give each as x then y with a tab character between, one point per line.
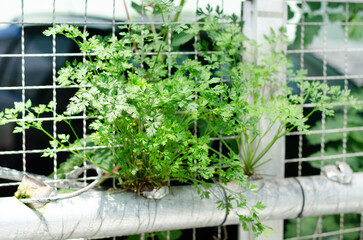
259	17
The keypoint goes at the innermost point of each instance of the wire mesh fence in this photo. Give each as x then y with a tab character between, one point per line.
29	64
326	42
326	46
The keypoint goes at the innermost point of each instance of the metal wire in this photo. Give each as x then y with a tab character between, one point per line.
108	23
194	230
345	111
54	72
345	130
300	141
332	50
84	123
330	157
82	54
23	83
327	24
327	234
323	51
327	50
89	23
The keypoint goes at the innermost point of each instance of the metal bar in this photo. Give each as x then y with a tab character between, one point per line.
49	119
337	130
110	22
327	234
82	54
14	88
306	159
326	50
23	139
99	214
300	142
59	150
54	90
312	78
328	24
329	157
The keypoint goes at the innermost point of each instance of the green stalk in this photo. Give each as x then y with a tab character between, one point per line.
71	127
245	146
262	163
153	29
157	57
220	138
217	152
70	150
266	149
262	137
119	133
181	5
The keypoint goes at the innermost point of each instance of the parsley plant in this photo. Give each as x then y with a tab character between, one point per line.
142	108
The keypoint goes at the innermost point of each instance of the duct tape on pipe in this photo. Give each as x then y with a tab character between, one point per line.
341	172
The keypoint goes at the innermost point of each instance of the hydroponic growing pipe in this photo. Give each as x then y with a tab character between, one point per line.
99	214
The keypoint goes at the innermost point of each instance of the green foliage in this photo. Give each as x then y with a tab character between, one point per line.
258	107
334	140
310	225
135	108
334	146
181	38
355	11
143	117
174	235
336	12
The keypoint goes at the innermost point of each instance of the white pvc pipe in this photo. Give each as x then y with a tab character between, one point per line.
99	214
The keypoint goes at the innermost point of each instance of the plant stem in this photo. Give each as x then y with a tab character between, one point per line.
71	127
220	137
271	124
217	152
157	57
267	148
181	5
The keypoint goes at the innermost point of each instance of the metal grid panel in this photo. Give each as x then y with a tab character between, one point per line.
332	50
115	10
24	155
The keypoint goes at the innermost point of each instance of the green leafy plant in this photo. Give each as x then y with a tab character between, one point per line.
258	106
333	142
142	107
141	114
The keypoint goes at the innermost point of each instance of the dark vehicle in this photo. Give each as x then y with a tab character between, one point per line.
31	77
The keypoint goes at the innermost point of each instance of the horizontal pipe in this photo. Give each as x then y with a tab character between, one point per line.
98	214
